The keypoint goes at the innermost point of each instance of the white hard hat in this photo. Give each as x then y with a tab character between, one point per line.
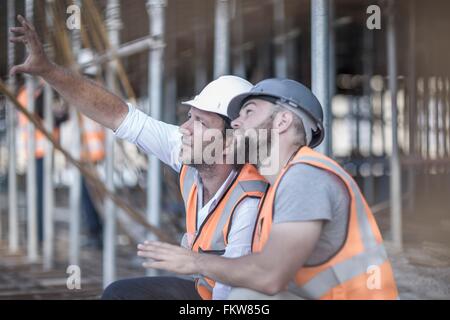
216	96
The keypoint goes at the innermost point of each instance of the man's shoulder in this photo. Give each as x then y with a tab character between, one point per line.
309	170
309	181
303	173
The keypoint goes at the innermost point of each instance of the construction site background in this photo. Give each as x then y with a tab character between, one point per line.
158	53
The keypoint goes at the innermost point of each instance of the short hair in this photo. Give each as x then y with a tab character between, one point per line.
297	122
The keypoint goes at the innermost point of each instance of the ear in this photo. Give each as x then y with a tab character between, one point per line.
283	121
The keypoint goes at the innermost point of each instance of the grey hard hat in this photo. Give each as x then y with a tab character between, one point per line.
289	92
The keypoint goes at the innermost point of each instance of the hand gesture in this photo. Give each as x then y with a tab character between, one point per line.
37	62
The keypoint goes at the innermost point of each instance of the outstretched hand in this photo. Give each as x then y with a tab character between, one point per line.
37	62
168	257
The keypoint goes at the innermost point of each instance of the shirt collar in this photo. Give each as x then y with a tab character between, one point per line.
219	194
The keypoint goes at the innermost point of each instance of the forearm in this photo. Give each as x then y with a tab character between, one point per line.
88	97
250	271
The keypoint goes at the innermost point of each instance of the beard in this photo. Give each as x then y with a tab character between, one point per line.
209	154
255	148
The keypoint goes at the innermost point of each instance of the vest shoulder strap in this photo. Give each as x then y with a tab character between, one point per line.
187	181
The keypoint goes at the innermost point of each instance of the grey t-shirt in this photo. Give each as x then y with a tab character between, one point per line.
308	193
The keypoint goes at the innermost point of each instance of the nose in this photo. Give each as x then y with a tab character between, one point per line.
236	123
186	128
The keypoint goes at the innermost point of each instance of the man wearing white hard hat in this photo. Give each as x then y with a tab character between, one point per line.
221	199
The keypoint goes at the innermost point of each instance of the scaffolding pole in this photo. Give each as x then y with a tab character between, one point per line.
446	118
368	45
156	12
238	31
170	72
48	247
437	116
221	39
331	75
32	226
114	25
124	50
279	18
395	180
48	182
412	102
201	71
13	219
75	187
320	70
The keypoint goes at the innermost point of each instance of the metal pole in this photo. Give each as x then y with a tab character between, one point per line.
13	219
358	123
156	12
280	39
75	188
382	120
238	30
436	117
426	131
412	101
332	77
32	226
124	50
170	88
201	72
109	237
428	88
48	251
446	118
320	61
369	183
48	182
419	116
395	181
221	39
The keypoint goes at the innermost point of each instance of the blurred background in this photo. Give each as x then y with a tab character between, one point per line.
379	68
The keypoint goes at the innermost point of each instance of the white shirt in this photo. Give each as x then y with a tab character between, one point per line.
164	141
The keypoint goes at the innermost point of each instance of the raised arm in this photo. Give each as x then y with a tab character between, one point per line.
87	96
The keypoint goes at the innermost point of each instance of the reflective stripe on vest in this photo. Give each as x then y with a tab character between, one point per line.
339	273
201	282
188	182
218	242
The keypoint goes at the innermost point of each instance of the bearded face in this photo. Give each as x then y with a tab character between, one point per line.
254	132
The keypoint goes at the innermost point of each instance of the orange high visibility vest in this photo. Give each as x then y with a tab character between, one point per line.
212	236
360	269
23	124
93	136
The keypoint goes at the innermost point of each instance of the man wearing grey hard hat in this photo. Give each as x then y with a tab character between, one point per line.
315	236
